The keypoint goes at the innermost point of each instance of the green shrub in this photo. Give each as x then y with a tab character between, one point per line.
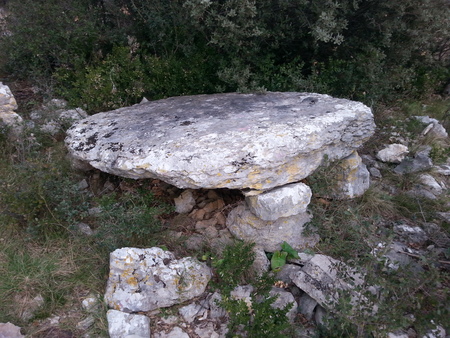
259	318
114	82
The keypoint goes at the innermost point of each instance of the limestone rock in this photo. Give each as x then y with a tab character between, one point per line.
192	311
431	184
421	161
323	277
284	298
256	141
8	330
393	153
7	101
269	235
285	201
121	324
147	279
306	306
8	117
185	202
352	178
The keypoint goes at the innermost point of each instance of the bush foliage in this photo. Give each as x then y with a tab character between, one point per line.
111	53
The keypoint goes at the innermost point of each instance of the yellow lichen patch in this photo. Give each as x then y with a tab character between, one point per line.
132	281
143	166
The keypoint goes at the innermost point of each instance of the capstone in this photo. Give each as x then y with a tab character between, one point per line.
238	141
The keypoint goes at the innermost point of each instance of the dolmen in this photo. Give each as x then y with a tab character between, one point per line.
262	144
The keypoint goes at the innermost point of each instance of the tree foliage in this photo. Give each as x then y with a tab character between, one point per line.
361	49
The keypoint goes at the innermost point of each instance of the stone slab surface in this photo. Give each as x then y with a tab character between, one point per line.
147	279
255	141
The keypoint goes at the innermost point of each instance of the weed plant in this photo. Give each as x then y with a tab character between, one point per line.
259	318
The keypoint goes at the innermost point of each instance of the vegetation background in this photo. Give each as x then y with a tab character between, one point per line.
103	54
393	55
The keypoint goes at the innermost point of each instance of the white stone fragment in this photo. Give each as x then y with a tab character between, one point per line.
185	202
431	184
9	330
393	153
121	324
285	201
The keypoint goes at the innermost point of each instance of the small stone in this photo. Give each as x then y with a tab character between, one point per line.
411	234
285	201
176	332
207	331
86	323
91	303
442	169
419	163
215	310
211	232
374	172
194	242
185	202
320	316
393	153
202	225
261	263
398	334
192	311
83	184
284	298
9	330
121	324
352	178
285	272
431	184
84	229
306	306
198	214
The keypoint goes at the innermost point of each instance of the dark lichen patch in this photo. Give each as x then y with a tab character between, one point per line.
115	146
92	140
247	159
108	135
310	100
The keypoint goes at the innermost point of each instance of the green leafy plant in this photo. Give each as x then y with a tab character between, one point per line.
279	258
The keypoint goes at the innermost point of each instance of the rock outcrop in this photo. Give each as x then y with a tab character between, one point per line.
238	141
147	279
8	117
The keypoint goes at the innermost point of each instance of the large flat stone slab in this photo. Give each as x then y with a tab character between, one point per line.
255	141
